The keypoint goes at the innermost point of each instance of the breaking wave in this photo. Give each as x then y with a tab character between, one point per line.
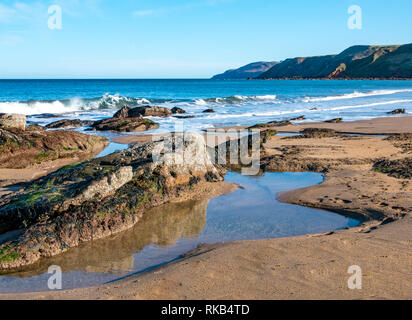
33	107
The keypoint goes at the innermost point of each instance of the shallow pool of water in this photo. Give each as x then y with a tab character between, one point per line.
171	230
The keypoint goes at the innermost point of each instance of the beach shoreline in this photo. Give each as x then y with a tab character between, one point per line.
308	267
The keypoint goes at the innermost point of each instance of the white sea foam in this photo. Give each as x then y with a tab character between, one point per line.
356	94
37	107
368	105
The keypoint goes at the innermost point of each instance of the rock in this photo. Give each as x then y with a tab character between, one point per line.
122	113
67	123
147	111
21	149
300	118
401	169
125	124
34	127
337	120
184	117
271	124
318	133
12	121
177	110
209	111
314	109
398	111
100	197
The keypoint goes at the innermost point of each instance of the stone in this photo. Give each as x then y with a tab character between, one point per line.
337	120
209	111
138	124
147	111
67	123
12	121
177	110
398	111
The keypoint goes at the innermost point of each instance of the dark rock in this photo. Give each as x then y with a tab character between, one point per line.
300	118
138	124
398	111
147	111
271	124
100	197
67	123
209	111
401	169
122	113
184	117
314	109
319	133
177	110
337	120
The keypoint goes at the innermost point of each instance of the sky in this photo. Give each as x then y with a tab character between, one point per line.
183	38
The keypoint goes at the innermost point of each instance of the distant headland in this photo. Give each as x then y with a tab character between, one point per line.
357	62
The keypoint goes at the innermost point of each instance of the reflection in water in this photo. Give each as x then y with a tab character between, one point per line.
161	226
173	229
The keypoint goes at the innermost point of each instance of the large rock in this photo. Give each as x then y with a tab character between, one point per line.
67	123
177	110
21	149
122	113
144	111
100	197
12	121
125	124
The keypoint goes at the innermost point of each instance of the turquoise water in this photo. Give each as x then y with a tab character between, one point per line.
235	102
171	230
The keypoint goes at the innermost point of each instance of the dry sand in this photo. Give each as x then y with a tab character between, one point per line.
308	267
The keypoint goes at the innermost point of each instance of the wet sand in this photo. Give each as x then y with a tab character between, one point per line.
308	267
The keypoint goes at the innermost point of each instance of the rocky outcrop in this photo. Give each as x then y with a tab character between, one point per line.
177	110
125	124
100	197
398	111
67	123
12	121
144	111
209	111
401	169
271	124
20	149
336	120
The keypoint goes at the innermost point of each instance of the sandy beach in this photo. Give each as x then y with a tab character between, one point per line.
308	267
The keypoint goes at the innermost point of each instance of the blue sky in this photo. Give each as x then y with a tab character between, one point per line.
183	38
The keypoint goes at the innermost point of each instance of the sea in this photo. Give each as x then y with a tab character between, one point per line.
235	102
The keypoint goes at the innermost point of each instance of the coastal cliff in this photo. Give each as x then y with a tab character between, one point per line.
251	70
357	62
